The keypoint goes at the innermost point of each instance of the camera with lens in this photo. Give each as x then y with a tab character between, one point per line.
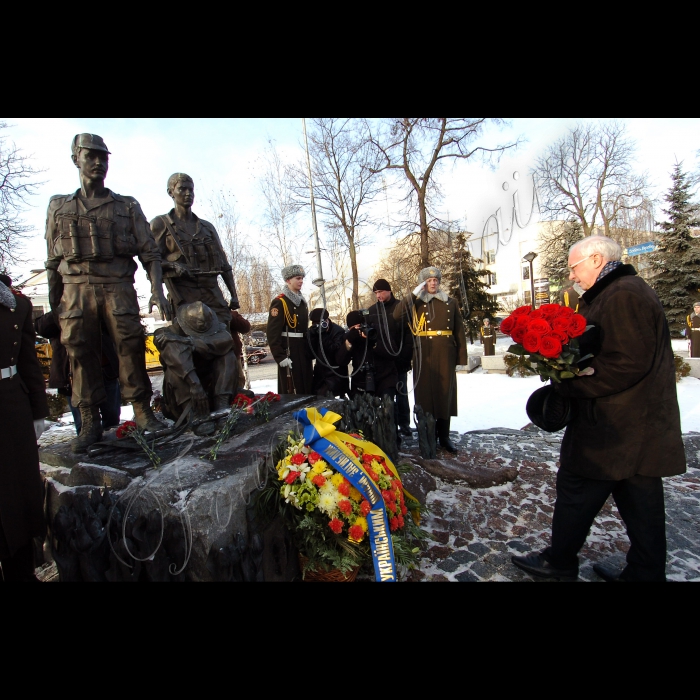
369	331
368	369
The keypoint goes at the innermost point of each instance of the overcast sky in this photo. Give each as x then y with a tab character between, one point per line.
226	153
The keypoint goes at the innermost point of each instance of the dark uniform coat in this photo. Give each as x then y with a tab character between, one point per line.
366	354
694	334
626	418
22	401
202	255
488	338
436	356
294	321
399	341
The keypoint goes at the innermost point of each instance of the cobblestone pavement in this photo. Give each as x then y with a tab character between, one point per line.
476	531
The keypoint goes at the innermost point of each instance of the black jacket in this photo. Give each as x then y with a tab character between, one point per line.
326	369
395	336
368	357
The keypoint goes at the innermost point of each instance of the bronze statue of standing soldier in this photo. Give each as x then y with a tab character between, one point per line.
92	237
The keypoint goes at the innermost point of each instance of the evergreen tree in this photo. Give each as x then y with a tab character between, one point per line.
676	261
554	245
468	286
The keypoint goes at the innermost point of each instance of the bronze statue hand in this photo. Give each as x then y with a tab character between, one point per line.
200	401
180	270
158	300
234	304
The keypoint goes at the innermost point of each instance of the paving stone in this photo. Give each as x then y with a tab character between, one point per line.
466	576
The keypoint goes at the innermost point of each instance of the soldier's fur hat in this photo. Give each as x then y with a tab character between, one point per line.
696	304
427	272
198	320
292	271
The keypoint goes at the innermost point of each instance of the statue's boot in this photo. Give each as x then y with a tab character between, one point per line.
144	416
90	430
442	427
221	402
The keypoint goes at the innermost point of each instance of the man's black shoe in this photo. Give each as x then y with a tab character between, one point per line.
607	574
537	565
405	430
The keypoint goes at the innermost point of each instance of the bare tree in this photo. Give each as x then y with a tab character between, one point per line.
588	176
16	184
417	148
281	241
343	169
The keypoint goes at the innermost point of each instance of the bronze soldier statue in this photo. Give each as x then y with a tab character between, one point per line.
92	237
193	257
200	364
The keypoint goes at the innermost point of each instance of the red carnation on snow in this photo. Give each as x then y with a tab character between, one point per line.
298	458
577	325
125	428
336	525
365	508
550	346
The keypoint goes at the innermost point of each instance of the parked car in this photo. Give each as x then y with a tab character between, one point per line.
255	355
258	338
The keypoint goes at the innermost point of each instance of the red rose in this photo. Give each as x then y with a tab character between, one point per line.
522	321
365	508
550	346
291	477
507	324
531	341
344	488
313	458
518	333
539	326
298	458
565	311
393	524
522	310
345	506
356	533
563	337
561	324
318	480
577	325
336	525
537	313
549	310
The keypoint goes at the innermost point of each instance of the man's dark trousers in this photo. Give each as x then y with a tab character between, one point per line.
403	409
640	500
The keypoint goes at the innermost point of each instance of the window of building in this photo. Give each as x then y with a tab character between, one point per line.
526	297
490	257
492	278
526	272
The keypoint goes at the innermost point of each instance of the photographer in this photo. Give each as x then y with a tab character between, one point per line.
325	339
377	370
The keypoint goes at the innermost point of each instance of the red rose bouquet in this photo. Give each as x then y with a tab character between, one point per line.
546	341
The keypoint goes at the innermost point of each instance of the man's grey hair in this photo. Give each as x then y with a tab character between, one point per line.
609	249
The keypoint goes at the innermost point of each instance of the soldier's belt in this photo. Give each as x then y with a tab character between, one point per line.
434	333
292	335
695	329
8	372
93	279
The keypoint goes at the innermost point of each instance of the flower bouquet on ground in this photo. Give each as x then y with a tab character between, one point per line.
335	525
546	342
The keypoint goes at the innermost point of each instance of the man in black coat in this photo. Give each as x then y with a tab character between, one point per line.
397	340
625	434
373	368
325	339
23	407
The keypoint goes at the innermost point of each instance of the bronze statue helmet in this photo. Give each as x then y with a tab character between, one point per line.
198	320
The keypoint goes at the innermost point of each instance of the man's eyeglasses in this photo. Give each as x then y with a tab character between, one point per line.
571	269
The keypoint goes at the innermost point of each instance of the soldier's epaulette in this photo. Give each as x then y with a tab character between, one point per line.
58	196
16	292
279	296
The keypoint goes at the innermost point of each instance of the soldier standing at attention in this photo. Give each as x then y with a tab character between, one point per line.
440	346
488	337
693	331
287	324
92	237
193	257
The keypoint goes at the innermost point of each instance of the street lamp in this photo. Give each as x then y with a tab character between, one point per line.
529	258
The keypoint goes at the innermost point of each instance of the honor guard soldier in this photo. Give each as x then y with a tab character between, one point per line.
92	237
488	337
193	257
287	323
440	346
693	331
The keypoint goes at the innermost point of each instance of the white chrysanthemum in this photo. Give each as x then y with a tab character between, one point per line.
327	503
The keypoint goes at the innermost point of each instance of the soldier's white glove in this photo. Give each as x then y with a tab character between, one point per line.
39	427
287	362
418	289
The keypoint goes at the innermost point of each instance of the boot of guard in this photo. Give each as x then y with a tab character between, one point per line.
144	416
442	427
90	431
